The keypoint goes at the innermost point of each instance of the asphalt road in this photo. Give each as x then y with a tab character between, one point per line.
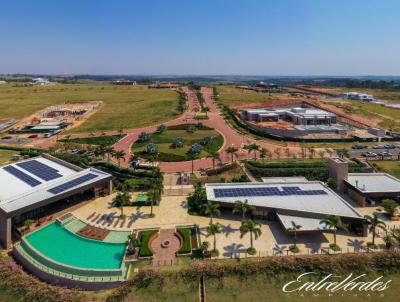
358	153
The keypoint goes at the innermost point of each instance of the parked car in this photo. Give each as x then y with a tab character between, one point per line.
357	147
378	147
369	154
390	146
7	137
33	136
385	154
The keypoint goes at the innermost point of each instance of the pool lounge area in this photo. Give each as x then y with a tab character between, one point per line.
58	254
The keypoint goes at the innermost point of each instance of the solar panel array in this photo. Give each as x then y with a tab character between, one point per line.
22	176
72	183
40	170
265	191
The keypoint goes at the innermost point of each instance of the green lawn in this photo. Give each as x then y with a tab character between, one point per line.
5	156
164	140
253	288
97	140
390	166
232	96
124	106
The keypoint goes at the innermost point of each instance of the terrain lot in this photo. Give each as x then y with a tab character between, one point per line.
124	106
232	96
5	156
390	166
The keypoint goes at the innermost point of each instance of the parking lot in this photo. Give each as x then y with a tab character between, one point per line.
387	150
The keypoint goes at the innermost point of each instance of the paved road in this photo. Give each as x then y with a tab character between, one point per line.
216	121
358	153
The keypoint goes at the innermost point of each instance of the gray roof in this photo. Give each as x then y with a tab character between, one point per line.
16	194
374	182
324	204
307	224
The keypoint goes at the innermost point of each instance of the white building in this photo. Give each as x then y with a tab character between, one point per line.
358	96
41	81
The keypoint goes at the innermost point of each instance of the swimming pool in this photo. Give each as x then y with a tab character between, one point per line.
60	245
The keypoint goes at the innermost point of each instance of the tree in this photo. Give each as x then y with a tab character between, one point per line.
100	151
109	151
211	209
197	199
263	153
133	242
212	230
193	152
254	228
390	206
333	222
373	222
294	228
252	148
118	155
332	183
121	200
214	155
151	148
206	110
156	189
143	137
242	207
161	128
232	151
177	142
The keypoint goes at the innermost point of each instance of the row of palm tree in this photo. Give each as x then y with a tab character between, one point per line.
109	151
156	189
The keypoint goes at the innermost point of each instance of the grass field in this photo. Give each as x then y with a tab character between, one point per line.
390	166
97	140
389	117
232	96
5	156
387	95
253	289
164	140
124	106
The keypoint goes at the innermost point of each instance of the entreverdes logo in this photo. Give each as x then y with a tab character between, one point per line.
336	284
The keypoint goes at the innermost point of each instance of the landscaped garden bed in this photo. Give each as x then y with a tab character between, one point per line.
145	237
106	140
173	144
190	239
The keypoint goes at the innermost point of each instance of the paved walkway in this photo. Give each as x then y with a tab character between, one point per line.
164	248
216	121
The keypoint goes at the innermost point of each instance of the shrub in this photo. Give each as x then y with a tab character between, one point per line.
390	206
177	142
251	251
145	250
195	149
207	140
335	247
161	128
151	148
191	129
106	140
143	137
186	245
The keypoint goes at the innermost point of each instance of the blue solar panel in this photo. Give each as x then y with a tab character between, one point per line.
22	176
265	191
72	183
40	170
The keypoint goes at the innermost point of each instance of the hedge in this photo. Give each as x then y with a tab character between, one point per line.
145	250
186	246
107	140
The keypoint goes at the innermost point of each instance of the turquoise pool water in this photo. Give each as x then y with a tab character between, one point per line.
59	244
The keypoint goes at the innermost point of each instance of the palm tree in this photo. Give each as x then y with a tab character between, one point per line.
156	189
154	196
295	227
334	223
100	151
263	153
232	151
374	222
242	207
133	242
109	151
252	148
121	200
249	226
118	155
214	156
211	209
212	230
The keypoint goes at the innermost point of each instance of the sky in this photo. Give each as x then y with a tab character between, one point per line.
200	37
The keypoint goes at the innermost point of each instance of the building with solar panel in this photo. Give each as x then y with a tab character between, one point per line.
41	186
298	200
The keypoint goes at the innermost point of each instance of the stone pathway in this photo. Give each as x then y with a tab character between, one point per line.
164	248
